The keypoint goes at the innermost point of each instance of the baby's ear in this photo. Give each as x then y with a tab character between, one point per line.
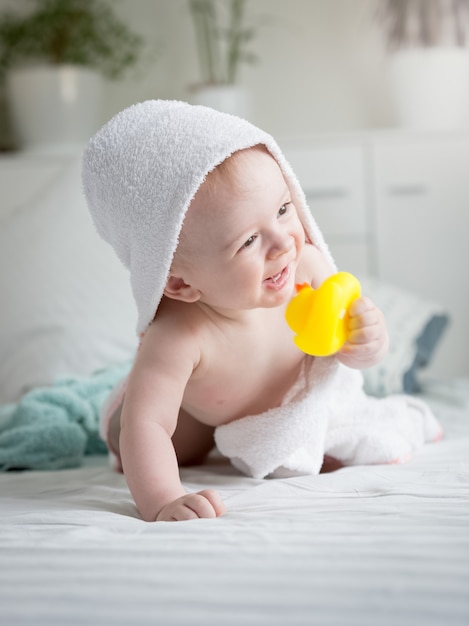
177	289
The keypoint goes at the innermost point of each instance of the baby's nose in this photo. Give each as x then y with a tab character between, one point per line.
281	244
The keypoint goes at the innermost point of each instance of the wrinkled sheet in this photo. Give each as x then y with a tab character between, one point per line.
362	545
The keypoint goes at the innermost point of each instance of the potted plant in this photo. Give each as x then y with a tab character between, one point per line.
52	60
428	41
222	40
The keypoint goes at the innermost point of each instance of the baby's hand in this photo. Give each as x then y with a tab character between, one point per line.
368	340
206	503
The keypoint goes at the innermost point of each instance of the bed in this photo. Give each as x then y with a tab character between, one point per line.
374	545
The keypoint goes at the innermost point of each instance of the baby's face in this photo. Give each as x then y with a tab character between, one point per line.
242	237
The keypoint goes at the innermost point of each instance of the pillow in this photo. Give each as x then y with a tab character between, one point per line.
415	327
67	307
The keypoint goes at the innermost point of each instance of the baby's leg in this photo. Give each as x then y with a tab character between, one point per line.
192	440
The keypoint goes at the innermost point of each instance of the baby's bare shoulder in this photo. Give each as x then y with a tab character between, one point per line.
174	334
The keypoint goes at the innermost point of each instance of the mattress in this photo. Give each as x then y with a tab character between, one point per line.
361	545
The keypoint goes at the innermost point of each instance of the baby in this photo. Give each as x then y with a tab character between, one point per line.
216	347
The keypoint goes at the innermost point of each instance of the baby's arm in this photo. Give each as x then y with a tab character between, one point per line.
149	416
368	339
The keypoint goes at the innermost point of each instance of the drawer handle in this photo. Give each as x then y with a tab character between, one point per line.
326	192
411	189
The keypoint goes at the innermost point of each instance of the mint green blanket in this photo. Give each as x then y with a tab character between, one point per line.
54	427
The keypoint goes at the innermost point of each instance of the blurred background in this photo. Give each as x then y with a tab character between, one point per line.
369	100
320	65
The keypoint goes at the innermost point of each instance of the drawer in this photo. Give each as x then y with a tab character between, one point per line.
333	180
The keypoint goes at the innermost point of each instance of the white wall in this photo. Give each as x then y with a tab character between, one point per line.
321	64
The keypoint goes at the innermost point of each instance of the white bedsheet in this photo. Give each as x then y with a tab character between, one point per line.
363	545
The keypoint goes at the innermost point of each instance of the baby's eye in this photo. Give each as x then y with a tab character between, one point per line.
283	209
249	241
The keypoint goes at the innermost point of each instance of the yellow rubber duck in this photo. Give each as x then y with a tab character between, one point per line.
319	316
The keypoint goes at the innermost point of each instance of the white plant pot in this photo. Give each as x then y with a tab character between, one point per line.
431	88
54	108
225	98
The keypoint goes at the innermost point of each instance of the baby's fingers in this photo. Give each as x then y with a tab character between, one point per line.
215	500
197	505
205	504
360	307
364	334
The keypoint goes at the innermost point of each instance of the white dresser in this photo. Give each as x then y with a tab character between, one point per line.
334	179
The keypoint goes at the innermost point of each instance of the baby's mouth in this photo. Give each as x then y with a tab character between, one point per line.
277	277
278	280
